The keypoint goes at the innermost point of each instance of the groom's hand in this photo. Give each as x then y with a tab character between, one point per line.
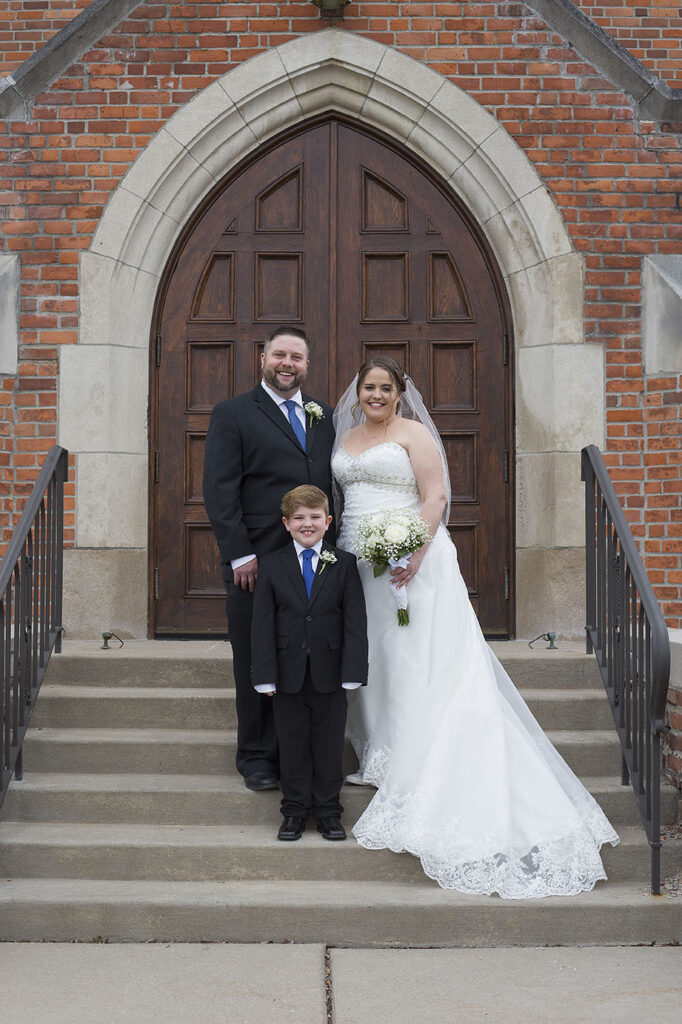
246	575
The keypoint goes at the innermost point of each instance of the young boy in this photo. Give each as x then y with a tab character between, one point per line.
309	643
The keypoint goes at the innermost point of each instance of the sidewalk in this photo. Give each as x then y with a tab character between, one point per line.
286	984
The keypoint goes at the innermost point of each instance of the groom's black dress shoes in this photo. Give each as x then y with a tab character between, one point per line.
291	828
331	828
261	780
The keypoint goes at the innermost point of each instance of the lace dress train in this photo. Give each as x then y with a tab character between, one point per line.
466	779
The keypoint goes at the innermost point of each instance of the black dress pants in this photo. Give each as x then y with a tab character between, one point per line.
310	729
256	741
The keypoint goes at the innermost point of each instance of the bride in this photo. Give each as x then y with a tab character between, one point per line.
466	779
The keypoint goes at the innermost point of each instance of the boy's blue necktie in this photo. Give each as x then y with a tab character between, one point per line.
295	422
308	574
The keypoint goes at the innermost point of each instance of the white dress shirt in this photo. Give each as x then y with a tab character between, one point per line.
270	687
300	412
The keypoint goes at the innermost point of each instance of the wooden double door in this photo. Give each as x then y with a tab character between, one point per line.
342	233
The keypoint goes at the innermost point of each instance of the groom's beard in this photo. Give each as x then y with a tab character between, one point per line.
293	383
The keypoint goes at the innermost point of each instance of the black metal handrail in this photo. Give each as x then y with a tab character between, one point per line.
31	575
627	631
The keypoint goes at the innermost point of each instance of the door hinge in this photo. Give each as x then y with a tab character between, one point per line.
156	584
506	465
506	582
505	348
156	467
158	350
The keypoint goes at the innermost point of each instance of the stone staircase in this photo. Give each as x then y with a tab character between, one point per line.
131	824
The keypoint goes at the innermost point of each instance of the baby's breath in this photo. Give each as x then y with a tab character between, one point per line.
315	412
386	538
327	558
392	533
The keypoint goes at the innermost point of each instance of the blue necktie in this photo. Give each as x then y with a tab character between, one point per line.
308	574
295	422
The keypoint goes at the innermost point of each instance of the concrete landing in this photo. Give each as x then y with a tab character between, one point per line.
132	984
283	984
505	986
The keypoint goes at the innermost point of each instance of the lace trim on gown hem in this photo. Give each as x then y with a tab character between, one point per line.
560	867
372	763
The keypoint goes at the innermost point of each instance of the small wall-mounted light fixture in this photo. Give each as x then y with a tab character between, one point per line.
106	637
551	646
332	7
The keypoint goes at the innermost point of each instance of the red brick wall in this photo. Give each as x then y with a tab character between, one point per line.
649	29
616	182
26	25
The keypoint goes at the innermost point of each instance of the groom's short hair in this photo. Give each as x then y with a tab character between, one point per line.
305	496
296	332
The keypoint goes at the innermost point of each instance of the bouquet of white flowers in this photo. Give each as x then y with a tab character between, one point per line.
388	538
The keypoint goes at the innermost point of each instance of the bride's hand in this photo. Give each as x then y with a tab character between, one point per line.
401	577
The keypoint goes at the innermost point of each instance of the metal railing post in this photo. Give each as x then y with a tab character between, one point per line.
630	639
587	474
61	477
31	579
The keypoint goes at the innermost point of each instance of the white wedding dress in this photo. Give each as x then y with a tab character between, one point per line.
467	780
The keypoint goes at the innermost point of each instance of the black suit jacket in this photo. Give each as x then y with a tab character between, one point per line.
252	458
328	630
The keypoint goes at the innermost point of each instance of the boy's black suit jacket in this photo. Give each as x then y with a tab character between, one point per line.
252	458
328	631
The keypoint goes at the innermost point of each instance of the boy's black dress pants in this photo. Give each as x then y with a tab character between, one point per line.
310	727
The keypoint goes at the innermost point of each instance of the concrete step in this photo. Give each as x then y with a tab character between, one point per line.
217	800
206	752
135	707
184	853
142	707
351	913
569	709
150	663
204	664
190	751
132	825
566	668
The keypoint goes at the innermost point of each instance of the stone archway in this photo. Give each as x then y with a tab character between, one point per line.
104	379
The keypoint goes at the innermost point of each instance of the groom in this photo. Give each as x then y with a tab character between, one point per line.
260	445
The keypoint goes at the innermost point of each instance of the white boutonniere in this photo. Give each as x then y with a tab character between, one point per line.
315	412
327	558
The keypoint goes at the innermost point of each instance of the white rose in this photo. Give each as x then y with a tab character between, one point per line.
395	533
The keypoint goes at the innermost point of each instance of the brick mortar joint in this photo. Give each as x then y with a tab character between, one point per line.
100	5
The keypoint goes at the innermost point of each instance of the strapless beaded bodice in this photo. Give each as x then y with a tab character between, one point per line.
378	478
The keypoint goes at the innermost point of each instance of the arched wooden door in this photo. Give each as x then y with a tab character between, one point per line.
342	233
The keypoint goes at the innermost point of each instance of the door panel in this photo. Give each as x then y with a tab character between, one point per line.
339	233
417	286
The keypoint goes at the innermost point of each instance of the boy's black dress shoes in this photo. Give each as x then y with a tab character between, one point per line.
331	827
291	828
261	780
